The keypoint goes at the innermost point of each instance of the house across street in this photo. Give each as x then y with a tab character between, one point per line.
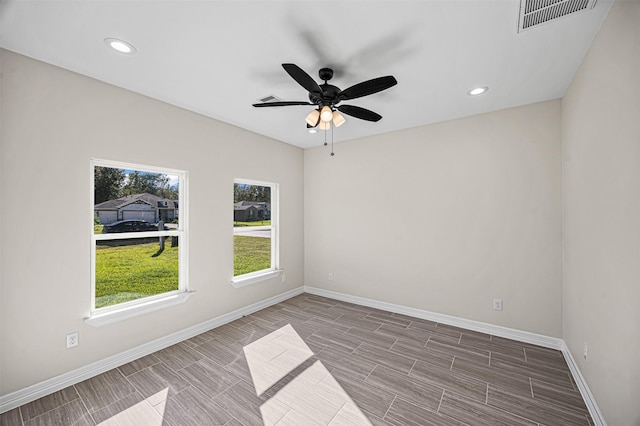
149	207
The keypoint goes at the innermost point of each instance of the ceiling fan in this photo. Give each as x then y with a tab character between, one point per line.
328	97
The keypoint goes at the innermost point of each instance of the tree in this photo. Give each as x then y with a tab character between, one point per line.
111	183
153	183
246	192
107	183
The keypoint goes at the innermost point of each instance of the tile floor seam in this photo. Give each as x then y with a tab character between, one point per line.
45	412
441	398
394	343
353	352
336	413
49	411
372	370
84	404
415	361
395	396
531	385
511	413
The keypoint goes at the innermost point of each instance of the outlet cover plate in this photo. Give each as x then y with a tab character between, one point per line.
73	339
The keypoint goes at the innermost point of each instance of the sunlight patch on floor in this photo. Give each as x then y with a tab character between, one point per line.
274	356
313	397
142	413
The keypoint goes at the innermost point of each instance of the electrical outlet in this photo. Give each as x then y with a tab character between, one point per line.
497	304
330	276
586	351
73	339
284	278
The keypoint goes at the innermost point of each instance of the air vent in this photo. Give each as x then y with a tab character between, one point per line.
270	98
537	12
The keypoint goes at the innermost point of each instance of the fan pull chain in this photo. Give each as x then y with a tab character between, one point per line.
332	154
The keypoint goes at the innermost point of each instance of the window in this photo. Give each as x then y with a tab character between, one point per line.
255	236
138	238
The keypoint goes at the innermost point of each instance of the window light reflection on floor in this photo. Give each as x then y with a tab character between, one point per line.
149	412
313	397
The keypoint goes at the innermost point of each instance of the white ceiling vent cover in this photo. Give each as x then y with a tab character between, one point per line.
537	12
270	98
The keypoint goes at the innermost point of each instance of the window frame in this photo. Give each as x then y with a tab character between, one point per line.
274	270
117	312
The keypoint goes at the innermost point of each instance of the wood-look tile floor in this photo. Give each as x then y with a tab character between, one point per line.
317	361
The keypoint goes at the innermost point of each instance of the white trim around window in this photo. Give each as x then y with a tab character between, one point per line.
274	270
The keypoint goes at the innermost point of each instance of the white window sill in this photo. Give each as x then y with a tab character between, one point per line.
105	318
248	279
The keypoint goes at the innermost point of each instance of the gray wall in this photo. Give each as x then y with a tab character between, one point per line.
53	123
601	137
445	218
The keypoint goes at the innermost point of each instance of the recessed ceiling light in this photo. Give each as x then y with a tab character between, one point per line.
477	91
313	130
120	45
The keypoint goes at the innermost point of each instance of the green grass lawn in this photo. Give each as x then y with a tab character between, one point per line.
130	272
250	254
253	223
125	273
97	229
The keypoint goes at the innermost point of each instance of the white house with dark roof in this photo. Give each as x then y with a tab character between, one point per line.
149	207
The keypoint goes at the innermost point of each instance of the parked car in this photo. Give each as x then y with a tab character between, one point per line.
130	226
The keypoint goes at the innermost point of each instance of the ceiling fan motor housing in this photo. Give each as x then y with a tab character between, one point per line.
328	97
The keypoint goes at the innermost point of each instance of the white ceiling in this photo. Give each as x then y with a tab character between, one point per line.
218	57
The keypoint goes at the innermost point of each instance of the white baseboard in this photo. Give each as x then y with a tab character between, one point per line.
49	386
496	330
587	396
508	333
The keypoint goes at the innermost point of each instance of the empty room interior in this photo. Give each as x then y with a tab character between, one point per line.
435	221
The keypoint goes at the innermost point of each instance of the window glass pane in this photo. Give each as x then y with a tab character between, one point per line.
133	201
252	246
251	205
251	251
134	268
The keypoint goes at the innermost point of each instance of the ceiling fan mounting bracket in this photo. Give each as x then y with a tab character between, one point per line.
325	74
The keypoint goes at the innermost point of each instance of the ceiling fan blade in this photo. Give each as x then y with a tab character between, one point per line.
302	78
368	87
282	103
358	112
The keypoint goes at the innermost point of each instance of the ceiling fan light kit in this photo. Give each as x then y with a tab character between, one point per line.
327	97
338	119
326	114
313	118
324	125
